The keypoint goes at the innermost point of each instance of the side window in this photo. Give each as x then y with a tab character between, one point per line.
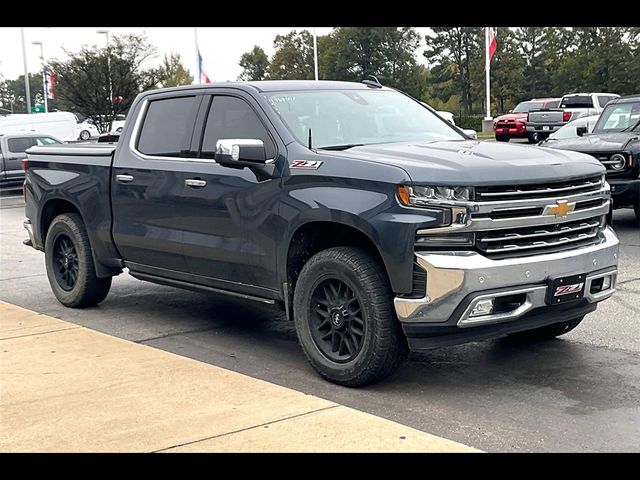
20	144
168	127
552	105
232	117
45	141
604	99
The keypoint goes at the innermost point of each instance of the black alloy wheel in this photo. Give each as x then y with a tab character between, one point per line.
338	328
66	262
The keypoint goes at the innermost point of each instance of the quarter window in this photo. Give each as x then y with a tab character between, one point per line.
168	127
232	117
20	144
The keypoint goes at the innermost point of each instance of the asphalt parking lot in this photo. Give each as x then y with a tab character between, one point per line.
579	393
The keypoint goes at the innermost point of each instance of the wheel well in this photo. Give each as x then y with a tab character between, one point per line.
314	237
51	210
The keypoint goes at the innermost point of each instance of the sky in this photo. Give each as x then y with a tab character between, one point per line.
220	47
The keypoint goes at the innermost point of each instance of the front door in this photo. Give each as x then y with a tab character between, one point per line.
231	215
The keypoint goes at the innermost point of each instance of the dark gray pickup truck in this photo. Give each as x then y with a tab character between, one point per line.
375	224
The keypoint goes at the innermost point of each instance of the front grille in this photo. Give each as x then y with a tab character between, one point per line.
541	239
547	190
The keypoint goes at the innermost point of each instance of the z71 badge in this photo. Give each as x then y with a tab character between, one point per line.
315	164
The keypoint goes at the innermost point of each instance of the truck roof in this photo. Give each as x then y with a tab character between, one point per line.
278	85
627	99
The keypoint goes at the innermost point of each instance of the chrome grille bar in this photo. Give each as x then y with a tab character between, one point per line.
541	233
546	190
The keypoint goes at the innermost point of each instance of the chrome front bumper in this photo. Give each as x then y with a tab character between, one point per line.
456	280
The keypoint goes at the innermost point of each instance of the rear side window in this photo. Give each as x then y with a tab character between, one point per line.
552	105
168	127
232	117
20	144
604	99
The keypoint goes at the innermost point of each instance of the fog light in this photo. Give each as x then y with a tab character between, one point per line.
482	307
606	282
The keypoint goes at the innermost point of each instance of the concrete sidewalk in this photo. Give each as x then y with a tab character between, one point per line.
65	388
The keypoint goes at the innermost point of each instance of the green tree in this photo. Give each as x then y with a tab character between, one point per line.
451	50
172	72
293	57
82	81
507	72
13	94
535	49
255	64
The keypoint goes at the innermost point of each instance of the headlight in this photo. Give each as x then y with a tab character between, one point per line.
617	161
417	196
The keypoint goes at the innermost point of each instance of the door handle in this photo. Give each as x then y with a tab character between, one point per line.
195	183
124	178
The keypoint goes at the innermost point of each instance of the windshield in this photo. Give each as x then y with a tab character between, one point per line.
525	107
619	117
345	118
569	130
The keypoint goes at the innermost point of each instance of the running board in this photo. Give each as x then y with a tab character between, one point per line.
197	288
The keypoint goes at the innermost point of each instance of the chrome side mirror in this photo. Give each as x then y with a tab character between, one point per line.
240	152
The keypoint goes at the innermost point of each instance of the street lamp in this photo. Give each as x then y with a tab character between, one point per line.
106	32
44	74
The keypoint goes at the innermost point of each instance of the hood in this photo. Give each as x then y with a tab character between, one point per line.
600	142
512	116
472	162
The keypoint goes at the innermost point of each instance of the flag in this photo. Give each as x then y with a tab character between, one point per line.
50	83
492	42
201	74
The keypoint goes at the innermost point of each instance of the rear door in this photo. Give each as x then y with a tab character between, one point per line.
147	185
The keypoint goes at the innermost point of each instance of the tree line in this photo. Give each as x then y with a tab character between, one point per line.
99	83
530	62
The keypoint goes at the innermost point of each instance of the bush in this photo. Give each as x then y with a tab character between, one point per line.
469	121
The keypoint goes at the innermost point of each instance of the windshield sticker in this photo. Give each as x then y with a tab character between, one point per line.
315	164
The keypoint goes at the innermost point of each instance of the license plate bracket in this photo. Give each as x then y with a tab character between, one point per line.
566	289
545	127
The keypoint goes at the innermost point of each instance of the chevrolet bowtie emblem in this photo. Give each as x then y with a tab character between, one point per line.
560	209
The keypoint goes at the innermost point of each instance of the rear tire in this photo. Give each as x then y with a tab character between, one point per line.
533	137
502	138
344	317
70	267
547	332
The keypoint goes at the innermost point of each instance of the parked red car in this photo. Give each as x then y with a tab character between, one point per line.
514	123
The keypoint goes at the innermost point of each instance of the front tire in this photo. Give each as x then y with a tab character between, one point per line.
547	332
69	263
85	135
344	317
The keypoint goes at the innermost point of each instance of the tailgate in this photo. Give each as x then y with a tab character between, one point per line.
546	117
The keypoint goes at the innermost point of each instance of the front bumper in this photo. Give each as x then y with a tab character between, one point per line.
457	280
624	192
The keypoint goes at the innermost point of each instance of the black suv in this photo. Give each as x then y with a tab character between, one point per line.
615	141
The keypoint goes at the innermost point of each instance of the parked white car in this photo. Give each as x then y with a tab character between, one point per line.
86	130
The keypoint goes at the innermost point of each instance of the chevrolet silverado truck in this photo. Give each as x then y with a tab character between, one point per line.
615	141
375	224
541	124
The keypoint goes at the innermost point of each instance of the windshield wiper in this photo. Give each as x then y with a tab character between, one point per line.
341	147
628	129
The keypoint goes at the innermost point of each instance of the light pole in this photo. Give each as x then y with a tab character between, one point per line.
106	32
26	73
44	75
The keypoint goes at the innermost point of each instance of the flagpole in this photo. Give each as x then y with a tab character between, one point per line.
195	34
315	52
487	71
